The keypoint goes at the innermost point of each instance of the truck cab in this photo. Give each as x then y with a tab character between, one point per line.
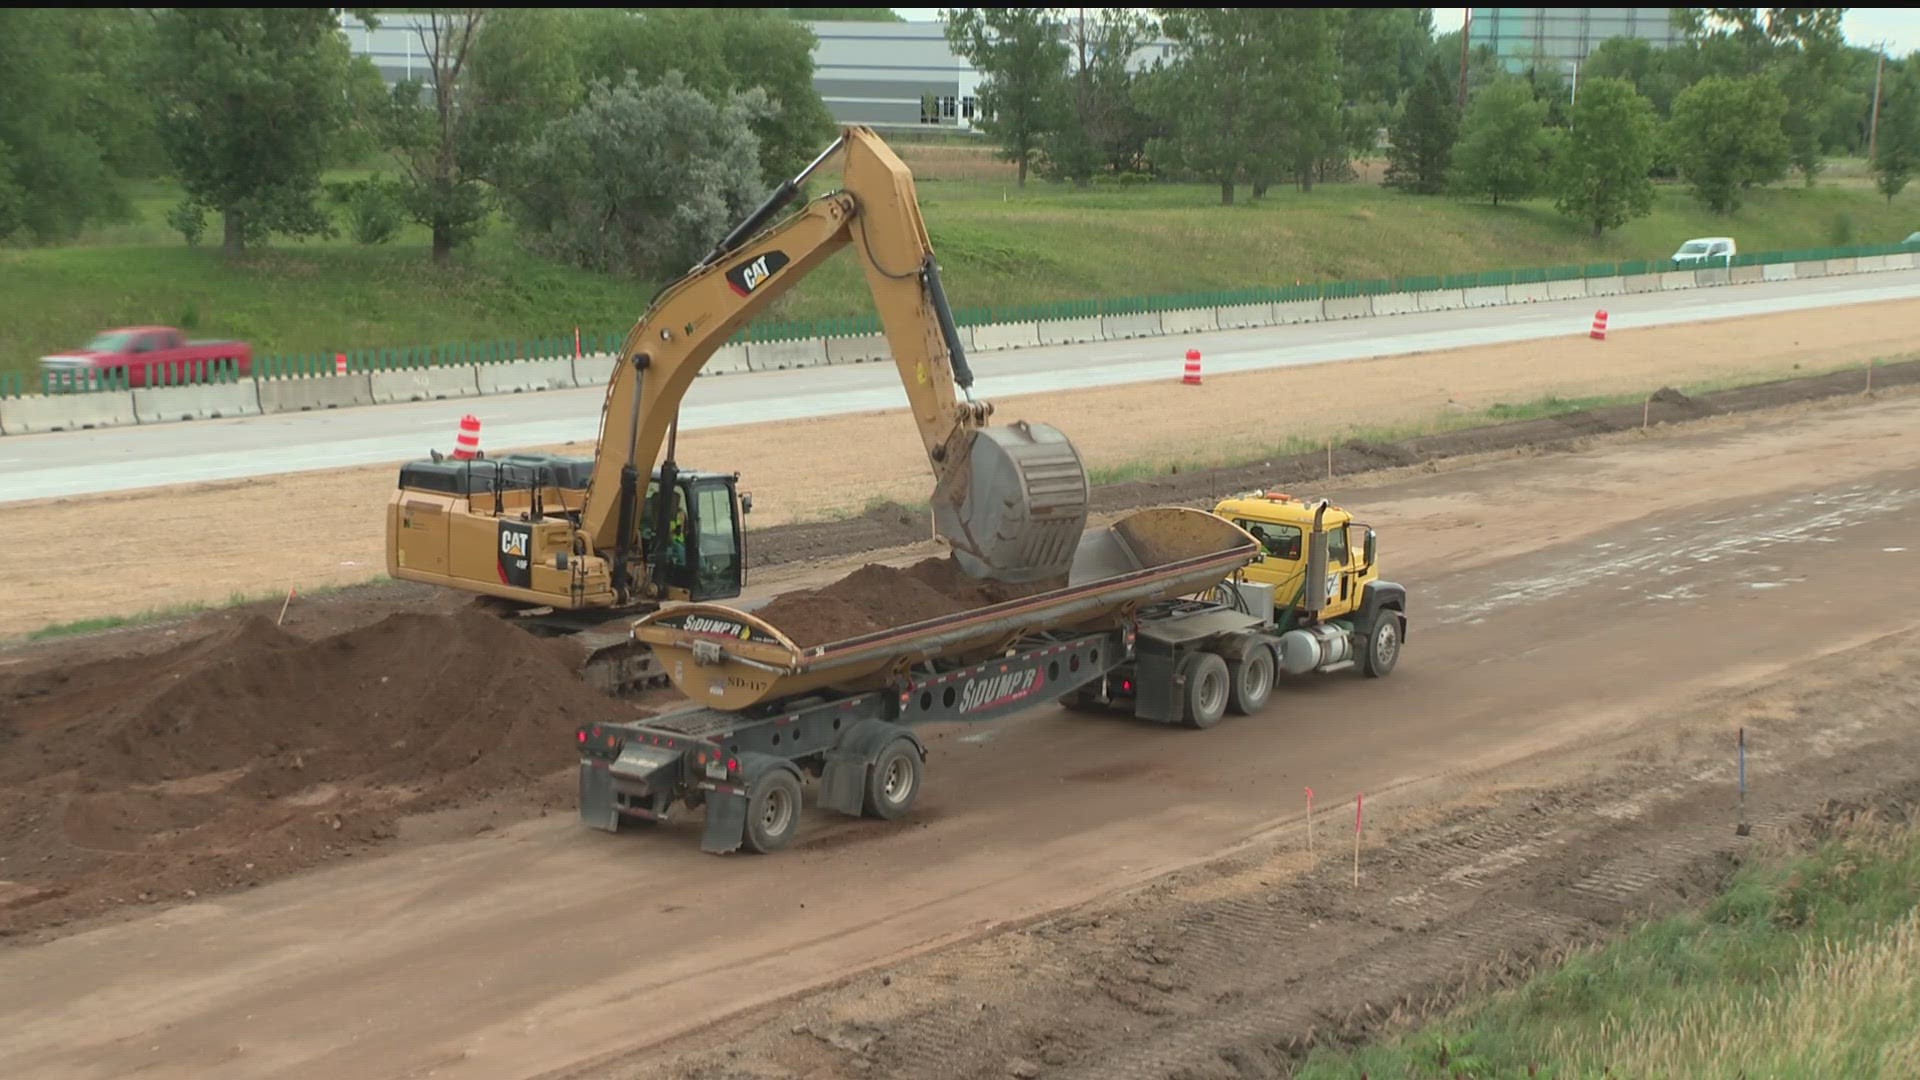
1282	524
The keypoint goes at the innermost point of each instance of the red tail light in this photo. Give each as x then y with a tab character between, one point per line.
583	736
733	765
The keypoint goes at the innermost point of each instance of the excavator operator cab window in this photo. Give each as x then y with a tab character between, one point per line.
702	549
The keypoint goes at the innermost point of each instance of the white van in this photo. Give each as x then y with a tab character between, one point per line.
1706	251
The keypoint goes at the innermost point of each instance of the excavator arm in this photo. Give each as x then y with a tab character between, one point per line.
1012	501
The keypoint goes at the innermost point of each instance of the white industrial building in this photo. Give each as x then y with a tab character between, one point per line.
884	74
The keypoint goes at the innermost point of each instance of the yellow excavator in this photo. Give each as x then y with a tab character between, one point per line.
571	544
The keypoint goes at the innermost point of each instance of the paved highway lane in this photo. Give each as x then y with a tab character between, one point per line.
118	459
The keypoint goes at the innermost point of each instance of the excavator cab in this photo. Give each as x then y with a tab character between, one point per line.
701	552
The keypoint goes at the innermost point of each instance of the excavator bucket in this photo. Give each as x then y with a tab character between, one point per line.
1017	512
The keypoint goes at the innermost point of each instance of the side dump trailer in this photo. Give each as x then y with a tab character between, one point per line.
1129	630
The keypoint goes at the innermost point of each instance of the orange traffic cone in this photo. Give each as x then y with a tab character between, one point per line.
467	445
1192	376
1599	331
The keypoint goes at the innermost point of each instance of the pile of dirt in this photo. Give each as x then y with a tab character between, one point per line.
250	752
876	597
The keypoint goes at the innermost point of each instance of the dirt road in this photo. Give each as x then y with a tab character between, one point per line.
1557	600
261	536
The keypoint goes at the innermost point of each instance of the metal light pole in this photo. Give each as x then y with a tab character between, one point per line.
1466	37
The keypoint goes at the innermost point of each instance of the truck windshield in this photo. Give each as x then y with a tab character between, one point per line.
109	343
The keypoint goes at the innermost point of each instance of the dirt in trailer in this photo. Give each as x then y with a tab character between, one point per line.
877	597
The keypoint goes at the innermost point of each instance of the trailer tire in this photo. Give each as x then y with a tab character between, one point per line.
1250	679
1381	651
1206	687
773	811
893	781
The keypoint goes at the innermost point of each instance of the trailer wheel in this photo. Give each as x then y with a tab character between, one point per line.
1382	650
773	811
893	783
1207	689
1250	681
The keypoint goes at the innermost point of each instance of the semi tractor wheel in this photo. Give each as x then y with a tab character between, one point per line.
1206	689
773	811
1250	680
893	783
1382	649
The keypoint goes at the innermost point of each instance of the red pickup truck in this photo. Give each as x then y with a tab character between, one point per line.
150	355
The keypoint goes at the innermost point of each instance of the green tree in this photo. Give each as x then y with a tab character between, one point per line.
844	14
1023	64
1221	101
1099	120
719	52
1897	149
1423	133
1312	115
1600	177
439	178
250	101
523	74
641	179
55	171
1725	135
1504	146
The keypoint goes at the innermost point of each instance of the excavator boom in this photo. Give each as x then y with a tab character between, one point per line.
1012	501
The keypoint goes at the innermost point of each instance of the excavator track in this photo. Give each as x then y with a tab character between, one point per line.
615	664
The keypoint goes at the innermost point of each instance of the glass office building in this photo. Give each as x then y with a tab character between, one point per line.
1562	37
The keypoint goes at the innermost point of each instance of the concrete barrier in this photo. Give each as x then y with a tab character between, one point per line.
1673	280
424	384
1441	300
862	349
1713	275
1568	289
525	376
1484	296
1527	292
1069	331
1900	261
993	337
1348	307
1189	321
594	369
1840	266
1124	327
784	355
727	360
1804	270
1289	312
1395	303
1777	272
1640	283
66	412
161	404
1241	316
1870	264
316	394
1746	275
1606	286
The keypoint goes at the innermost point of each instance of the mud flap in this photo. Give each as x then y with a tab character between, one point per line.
1158	695
726	821
843	782
597	807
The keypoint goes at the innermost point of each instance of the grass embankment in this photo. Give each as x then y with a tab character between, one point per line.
1000	246
1805	967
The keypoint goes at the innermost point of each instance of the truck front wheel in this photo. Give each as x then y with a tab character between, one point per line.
773	811
893	783
1206	689
1382	649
